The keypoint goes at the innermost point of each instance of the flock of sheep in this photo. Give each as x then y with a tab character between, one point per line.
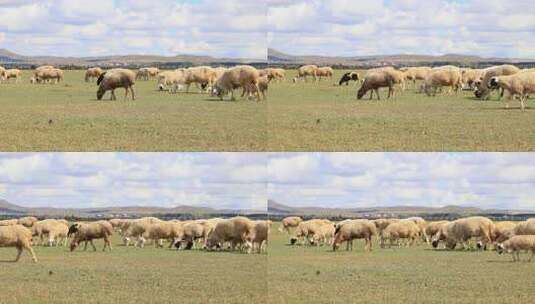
518	83
237	233
504	236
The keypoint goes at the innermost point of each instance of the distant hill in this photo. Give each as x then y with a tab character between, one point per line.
10	58
9	209
278	210
276	57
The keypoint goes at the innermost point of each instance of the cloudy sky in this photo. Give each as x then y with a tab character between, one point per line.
233	28
221	180
488	180
348	27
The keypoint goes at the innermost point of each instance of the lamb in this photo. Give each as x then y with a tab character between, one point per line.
521	84
90	231
236	230
462	230
19	237
517	243
306	71
354	229
93	73
347	77
27	221
403	229
375	80
13	73
442	77
326	72
116	78
246	77
289	222
482	85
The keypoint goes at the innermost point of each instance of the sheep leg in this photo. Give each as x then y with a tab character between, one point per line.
133	92
125	93
93	245
32	253
532	254
19	253
112	97
377	92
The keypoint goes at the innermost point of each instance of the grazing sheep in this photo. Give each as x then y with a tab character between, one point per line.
421	223
311	232
245	77
415	73
442	77
136	229
462	230
381	224
306	71
354	229
259	236
525	227
53	229
375	80
19	237
9	222
521	84
517	243
34	78
482	85
48	75
2	74
27	221
93	73
202	75
401	230
326	72
347	77
263	86
276	73
89	231
470	76
146	73
503	231
13	74
116	78
432	229
236	231
171	80
171	231
289	222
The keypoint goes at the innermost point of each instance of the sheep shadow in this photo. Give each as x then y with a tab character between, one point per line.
8	261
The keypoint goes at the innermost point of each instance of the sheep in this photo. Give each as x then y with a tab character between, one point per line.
13	73
306	71
277	74
403	229
381	224
462	230
2	74
9	222
171	80
354	229
263	86
421	223
153	72
325	234
89	232
375	80
136	229
236	230
517	243
49	74
34	78
470	76
326	72
27	221
521	84
146	73
245	77
259	236
503	231
55	230
415	73
310	231
347	77
432	229
93	73
525	227
440	77
193	231
202	75
482	90
116	78
19	237
171	231
289	222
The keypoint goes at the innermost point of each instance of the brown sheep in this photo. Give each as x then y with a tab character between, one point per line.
236	231
482	85
517	243
19	237
326	72
9	222
245	77
442	77
354	229
432	229
401	230
415	73
381	224
259	236
116	78
525	227
462	230
521	84
503	231
27	221
89	231
13	74
375	80
306	71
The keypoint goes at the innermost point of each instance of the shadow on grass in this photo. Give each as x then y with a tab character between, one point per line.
8	261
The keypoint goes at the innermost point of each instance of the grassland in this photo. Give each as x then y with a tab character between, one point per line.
327	117
156	121
419	274
133	275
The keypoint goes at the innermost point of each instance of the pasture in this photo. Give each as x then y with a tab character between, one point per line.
132	275
325	117
67	117
298	274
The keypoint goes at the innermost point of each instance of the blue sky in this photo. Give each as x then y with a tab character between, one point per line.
488	180
348	27
232	28
219	180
